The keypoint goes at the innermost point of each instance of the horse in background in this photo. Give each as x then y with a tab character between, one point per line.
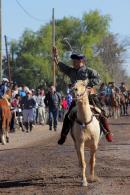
5	116
124	103
85	131
115	103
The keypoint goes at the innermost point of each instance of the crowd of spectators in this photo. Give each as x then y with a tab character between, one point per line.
30	107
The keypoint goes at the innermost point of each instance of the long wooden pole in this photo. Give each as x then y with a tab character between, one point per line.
53	45
7	56
0	42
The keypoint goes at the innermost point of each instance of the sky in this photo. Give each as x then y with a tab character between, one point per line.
18	15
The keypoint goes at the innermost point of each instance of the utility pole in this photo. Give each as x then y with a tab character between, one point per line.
0	42
7	57
53	45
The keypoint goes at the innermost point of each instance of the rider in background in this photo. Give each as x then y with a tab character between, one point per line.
123	89
103	89
109	89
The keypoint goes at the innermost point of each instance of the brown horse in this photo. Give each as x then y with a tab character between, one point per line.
124	102
115	104
5	117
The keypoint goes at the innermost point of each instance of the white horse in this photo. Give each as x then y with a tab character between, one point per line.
85	131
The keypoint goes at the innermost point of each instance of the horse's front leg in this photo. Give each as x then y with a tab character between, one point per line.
83	163
115	112
92	177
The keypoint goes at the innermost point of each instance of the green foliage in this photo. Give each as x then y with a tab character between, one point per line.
31	55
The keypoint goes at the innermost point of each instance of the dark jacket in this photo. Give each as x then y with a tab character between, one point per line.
27	103
82	73
52	100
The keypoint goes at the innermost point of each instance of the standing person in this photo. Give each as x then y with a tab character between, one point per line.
15	90
79	71
34	96
4	86
16	113
64	107
52	101
22	91
69	98
28	103
41	108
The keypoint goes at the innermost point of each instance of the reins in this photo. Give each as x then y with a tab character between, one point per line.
84	124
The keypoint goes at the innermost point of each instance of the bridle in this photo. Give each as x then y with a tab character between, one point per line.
78	97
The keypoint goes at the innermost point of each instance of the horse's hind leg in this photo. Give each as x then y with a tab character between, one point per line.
7	131
3	132
7	135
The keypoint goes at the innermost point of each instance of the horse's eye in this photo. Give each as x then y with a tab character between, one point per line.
76	89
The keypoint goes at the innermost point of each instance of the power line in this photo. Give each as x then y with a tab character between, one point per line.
27	13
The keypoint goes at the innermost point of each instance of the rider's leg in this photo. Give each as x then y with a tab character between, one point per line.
103	120
67	124
106	128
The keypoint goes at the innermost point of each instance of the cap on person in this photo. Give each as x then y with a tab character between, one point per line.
75	56
29	92
5	80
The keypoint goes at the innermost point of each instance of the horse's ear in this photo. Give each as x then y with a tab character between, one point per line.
85	82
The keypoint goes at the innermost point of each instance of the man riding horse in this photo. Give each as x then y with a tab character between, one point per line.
79	71
124	98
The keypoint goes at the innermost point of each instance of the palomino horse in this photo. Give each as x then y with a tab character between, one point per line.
85	131
5	117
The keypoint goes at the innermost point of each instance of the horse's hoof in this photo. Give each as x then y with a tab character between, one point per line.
91	179
7	139
84	183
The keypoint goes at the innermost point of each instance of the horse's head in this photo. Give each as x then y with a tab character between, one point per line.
8	94
79	89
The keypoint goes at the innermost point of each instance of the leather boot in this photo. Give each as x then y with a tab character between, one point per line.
30	125
105	128
21	126
26	126
67	124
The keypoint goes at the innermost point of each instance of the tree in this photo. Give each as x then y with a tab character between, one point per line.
32	61
111	53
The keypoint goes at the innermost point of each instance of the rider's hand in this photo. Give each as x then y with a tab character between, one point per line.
55	51
55	55
89	89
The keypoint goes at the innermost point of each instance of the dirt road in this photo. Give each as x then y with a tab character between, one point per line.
42	167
